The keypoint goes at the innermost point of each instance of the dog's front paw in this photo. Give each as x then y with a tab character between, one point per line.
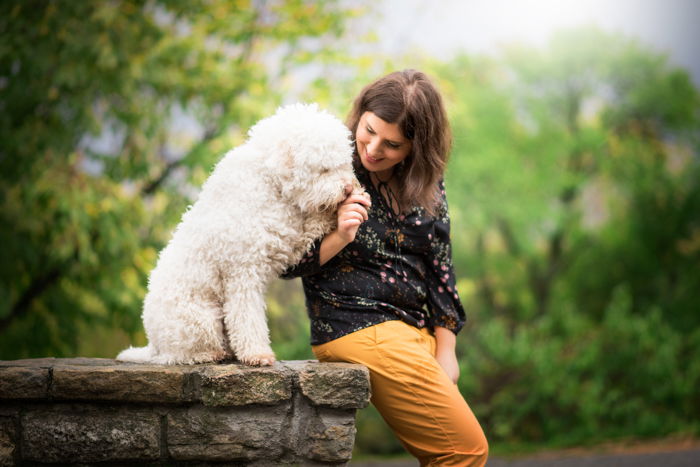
258	360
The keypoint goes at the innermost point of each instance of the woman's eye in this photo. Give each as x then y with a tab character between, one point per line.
370	131
392	145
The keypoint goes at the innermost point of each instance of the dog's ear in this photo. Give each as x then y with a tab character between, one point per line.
280	157
287	157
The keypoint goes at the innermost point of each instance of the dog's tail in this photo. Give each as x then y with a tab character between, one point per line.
137	354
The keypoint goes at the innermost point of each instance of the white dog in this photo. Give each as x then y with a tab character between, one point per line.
259	212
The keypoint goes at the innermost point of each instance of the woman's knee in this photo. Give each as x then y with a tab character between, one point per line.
473	452
482	450
479	449
476	458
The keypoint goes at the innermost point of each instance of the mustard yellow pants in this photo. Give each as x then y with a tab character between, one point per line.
412	392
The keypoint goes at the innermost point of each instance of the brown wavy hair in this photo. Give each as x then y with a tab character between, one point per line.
409	99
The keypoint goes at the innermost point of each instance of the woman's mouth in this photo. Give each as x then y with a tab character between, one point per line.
371	159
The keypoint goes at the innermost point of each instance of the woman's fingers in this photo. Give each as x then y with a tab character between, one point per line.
353	209
360	215
362	199
351	213
351	222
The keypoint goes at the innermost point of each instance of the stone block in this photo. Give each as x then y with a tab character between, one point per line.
125	383
337	385
50	362
30	362
88	411
31	382
329	436
77	433
236	385
8	441
227	434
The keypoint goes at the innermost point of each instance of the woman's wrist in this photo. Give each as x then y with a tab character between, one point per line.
331	245
445	338
445	352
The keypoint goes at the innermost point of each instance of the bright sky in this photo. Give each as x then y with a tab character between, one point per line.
442	27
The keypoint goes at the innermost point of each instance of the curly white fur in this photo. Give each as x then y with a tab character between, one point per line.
260	211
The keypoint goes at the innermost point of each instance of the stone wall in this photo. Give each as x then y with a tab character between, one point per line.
87	411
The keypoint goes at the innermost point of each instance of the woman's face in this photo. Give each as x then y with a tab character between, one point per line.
380	145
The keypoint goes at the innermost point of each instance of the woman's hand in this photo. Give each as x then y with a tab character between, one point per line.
448	361
445	352
351	213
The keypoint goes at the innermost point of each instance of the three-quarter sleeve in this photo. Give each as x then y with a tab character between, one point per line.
443	300
310	263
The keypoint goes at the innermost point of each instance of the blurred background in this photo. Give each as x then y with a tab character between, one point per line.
574	183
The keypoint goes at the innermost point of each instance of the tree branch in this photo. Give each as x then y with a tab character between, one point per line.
508	237
155	184
35	289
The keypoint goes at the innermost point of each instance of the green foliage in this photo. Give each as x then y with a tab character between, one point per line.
567	379
289	326
574	187
112	113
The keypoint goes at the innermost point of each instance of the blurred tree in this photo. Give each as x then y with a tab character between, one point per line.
573	187
575	196
111	113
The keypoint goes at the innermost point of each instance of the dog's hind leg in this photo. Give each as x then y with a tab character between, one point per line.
246	322
191	332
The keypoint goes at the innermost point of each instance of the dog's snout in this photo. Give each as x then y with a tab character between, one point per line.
349	187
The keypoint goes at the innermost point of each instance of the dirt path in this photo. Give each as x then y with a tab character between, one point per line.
683	453
685	458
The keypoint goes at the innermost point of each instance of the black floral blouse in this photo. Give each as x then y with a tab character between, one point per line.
398	267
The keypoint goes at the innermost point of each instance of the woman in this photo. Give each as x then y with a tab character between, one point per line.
380	289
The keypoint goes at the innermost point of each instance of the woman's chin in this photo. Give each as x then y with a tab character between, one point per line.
373	165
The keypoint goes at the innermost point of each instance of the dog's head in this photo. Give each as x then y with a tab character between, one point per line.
308	153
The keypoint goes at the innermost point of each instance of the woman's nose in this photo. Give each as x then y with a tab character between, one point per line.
373	146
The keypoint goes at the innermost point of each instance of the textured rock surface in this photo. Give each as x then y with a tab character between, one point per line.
83	411
71	433
24	383
341	385
145	383
7	440
330	436
226	385
227	434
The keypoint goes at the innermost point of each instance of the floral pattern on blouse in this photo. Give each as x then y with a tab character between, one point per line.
398	267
